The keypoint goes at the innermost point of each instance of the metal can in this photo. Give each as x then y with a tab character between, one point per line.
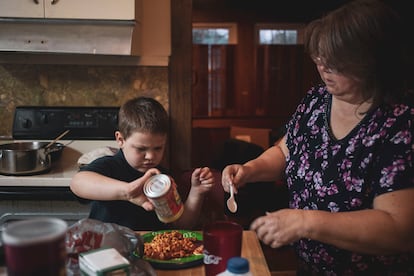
161	190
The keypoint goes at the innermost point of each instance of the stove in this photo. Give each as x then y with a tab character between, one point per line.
48	193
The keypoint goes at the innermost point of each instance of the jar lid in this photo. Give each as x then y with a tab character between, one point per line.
238	265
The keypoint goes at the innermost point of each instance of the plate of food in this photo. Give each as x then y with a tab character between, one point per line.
173	249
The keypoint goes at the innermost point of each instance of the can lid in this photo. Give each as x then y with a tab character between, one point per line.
238	265
157	185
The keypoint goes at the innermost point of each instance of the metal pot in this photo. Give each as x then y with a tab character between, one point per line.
28	158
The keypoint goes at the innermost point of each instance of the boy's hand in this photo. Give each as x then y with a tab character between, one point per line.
135	192
202	179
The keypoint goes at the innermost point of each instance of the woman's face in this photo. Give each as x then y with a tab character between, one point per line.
338	84
142	150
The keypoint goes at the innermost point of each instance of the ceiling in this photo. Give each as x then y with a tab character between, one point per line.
290	10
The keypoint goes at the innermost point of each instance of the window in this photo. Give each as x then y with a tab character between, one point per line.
214	33
213	54
280	68
269	36
279	34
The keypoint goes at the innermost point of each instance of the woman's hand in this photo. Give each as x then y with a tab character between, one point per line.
233	174
279	228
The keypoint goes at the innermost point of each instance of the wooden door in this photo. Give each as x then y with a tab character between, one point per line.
213	80
279	79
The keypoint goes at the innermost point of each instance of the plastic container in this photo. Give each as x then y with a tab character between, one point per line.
237	266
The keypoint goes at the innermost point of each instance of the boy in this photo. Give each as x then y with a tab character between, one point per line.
114	184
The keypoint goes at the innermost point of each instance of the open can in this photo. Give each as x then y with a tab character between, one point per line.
161	190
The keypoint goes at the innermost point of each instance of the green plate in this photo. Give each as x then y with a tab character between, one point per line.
177	263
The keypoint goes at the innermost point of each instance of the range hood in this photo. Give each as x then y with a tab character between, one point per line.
67	36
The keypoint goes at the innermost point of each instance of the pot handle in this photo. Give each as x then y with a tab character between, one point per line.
53	148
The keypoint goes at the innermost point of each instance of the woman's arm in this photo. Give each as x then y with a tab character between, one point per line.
385	229
269	166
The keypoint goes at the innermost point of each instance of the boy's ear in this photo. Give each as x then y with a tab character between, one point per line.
119	138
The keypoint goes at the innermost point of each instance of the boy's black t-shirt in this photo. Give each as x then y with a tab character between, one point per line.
118	211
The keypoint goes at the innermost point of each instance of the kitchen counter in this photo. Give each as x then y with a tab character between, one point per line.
62	170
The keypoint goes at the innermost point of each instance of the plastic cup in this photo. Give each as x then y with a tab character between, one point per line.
35	247
222	240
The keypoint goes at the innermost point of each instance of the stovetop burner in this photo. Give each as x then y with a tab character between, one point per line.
90	128
84	123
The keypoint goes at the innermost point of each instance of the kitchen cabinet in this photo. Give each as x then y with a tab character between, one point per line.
98	32
73	9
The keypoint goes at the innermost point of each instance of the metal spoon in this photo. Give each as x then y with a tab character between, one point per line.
231	202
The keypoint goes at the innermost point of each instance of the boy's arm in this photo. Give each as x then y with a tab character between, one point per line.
94	186
202	181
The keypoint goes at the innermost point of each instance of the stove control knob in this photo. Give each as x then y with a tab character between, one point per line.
27	123
44	118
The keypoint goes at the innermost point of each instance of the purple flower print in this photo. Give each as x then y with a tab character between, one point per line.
333	207
388	173
402	137
356	202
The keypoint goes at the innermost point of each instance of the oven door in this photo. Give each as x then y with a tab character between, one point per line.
18	203
23	202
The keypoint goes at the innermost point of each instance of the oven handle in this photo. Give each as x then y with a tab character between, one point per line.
36	193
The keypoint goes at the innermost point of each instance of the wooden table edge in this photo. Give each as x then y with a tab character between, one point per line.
251	250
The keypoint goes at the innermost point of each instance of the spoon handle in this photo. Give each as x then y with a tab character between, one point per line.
57	138
231	202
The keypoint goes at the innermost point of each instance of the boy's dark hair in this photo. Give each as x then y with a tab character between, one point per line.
142	114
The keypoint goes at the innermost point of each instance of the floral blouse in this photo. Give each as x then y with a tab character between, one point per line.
324	173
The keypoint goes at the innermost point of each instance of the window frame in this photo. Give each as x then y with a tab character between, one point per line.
280	26
232	27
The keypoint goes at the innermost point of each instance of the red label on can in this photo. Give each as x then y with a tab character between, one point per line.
162	192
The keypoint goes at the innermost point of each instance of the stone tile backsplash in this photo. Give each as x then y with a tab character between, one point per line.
72	85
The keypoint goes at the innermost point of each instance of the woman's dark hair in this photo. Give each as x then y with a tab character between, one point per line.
142	114
363	39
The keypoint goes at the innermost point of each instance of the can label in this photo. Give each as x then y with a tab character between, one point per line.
161	190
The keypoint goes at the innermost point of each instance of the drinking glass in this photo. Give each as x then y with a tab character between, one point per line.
35	247
222	240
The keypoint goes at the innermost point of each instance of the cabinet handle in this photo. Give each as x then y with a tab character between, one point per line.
36	2
54	2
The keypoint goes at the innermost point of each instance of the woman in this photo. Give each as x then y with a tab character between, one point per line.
347	155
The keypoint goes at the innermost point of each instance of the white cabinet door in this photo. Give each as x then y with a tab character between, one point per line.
21	8
70	9
90	9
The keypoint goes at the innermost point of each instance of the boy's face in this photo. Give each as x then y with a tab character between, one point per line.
142	151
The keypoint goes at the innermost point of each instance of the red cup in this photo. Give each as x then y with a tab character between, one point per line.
35	247
222	240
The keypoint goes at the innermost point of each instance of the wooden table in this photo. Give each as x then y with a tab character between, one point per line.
251	250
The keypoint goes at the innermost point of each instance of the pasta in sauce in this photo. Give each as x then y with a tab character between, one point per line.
170	245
